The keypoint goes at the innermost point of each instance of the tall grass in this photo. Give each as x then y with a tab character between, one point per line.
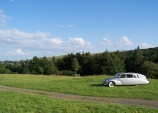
91	86
11	102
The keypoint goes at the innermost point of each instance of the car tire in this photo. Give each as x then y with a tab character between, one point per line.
111	84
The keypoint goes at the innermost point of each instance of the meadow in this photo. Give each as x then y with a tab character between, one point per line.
11	102
90	86
16	102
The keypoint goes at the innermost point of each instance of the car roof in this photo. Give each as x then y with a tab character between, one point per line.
137	74
127	73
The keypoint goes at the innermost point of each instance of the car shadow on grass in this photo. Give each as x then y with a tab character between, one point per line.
97	85
123	86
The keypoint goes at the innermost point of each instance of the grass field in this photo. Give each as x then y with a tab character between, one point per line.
11	102
90	86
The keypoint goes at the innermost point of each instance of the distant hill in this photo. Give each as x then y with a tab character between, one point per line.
61	56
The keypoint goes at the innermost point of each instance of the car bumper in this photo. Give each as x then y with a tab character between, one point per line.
105	82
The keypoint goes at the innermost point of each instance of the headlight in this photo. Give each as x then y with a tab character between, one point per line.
106	81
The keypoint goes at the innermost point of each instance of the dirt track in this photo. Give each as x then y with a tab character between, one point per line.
105	100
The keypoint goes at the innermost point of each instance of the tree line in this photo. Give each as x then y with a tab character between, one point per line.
143	61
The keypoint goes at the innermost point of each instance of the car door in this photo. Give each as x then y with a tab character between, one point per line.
136	80
130	80
122	79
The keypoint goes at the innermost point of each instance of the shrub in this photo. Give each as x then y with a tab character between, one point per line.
150	69
68	72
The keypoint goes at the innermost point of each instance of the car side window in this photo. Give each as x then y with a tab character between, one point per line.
129	76
134	76
123	76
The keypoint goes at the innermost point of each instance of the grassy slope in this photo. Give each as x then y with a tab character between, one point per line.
11	102
81	86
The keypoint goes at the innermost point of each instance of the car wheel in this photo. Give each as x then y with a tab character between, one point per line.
111	84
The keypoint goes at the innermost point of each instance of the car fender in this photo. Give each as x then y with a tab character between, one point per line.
117	82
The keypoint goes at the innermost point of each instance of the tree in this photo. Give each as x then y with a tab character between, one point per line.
96	66
54	69
104	62
4	70
26	67
115	63
150	69
151	54
134	60
138	60
67	62
75	65
34	65
119	62
86	67
46	65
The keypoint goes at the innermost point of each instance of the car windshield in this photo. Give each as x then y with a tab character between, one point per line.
117	75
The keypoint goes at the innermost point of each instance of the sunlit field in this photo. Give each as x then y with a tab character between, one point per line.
90	85
11	102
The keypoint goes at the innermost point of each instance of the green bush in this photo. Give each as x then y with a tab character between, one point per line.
150	69
68	72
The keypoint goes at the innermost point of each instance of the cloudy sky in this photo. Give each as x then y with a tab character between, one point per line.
40	28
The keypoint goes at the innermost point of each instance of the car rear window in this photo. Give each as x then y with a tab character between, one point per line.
134	76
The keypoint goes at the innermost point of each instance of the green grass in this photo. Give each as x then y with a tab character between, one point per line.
81	86
11	102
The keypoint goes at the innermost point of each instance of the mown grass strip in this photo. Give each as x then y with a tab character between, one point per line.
11	102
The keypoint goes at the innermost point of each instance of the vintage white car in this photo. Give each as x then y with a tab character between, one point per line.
126	79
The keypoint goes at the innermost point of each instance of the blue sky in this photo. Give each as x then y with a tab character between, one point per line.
40	28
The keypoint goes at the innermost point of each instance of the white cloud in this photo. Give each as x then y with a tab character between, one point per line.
19	52
146	45
17	34
78	42
14	54
106	42
38	43
66	26
18	37
3	18
55	41
124	41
